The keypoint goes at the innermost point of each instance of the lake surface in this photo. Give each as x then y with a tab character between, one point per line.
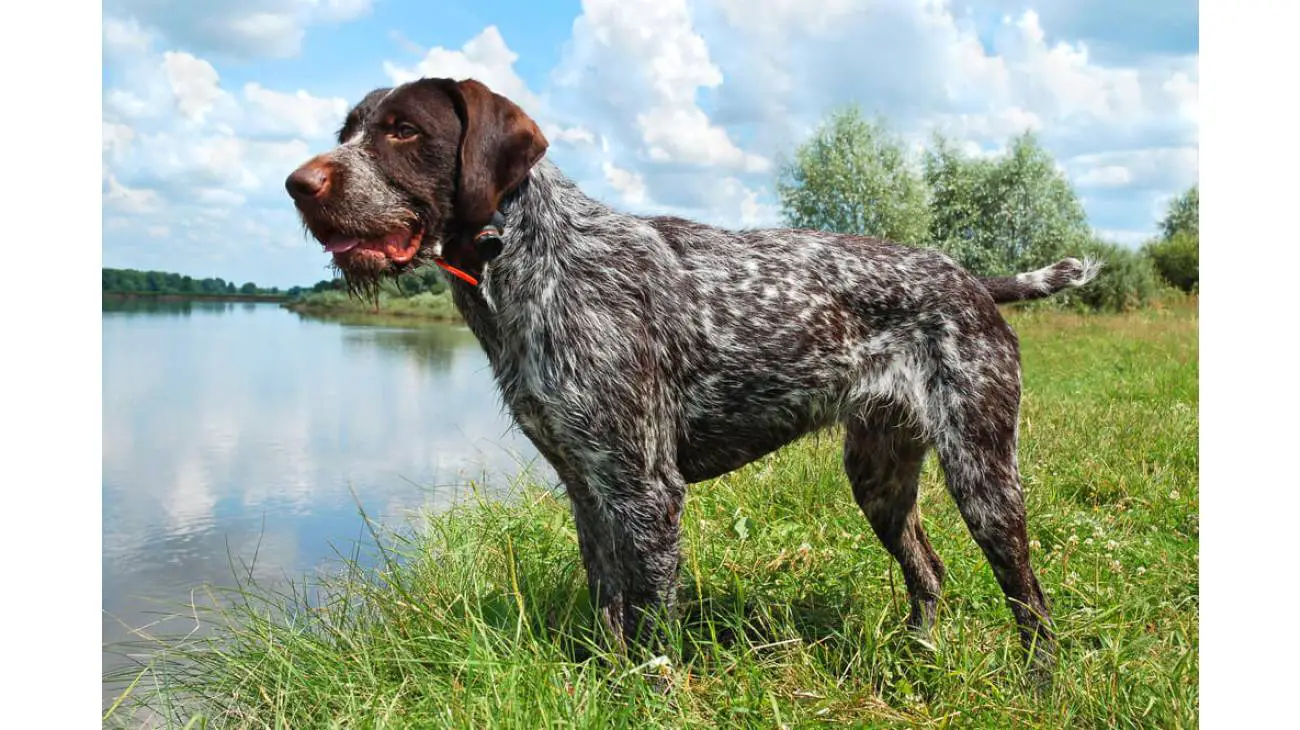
234	429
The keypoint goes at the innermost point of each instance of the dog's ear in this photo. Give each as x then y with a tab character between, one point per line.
500	145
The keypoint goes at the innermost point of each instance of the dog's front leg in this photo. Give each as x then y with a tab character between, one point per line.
628	532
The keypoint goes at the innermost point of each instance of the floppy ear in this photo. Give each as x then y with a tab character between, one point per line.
500	145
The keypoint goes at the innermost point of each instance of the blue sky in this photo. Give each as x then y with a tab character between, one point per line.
681	106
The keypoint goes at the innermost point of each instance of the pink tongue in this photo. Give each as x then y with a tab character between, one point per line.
339	245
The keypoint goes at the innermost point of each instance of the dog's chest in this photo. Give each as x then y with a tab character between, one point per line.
529	360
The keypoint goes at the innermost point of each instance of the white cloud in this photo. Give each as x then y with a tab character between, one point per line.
219	198
125	36
996	125
117	138
1185	92
1160	168
122	103
343	10
1106	176
746	209
128	200
274	34
630	184
775	18
298	113
193	83
485	57
685	134
576	135
239	29
642	63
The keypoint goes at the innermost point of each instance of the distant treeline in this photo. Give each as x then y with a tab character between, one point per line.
425	279
131	281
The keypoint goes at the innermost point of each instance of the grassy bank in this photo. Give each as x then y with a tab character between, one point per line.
792	610
425	305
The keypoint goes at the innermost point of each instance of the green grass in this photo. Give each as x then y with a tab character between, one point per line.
792	612
424	305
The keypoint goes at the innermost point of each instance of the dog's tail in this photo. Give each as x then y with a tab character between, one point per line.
1043	282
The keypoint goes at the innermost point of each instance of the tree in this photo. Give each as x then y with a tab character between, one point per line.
1184	215
1177	253
1178	259
1128	280
853	176
1005	215
248	288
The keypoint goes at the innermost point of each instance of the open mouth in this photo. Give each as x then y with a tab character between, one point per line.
398	247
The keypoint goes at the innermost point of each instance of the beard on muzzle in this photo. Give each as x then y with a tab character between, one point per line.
363	274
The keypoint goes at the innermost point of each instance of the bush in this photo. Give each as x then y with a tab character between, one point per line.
1178	259
1003	215
1127	281
855	176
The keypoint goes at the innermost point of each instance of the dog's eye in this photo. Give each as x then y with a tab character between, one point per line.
405	131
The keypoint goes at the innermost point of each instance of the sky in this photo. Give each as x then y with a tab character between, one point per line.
654	106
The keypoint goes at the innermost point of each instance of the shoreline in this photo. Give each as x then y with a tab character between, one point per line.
317	310
171	297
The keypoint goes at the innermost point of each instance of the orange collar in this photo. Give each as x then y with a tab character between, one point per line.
488	243
455	271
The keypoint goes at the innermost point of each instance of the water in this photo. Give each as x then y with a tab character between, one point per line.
232	429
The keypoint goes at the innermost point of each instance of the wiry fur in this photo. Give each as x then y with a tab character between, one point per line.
1042	282
641	354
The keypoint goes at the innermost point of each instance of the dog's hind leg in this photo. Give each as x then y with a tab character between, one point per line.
976	443
883	458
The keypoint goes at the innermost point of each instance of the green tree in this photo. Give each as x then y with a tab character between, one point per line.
1176	255
1184	215
1177	259
248	288
1004	215
854	176
1127	281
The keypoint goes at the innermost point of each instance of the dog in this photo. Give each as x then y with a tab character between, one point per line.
641	354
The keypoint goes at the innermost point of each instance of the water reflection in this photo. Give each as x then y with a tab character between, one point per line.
151	306
234	427
426	347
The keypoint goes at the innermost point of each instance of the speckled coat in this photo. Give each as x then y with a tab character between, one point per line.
641	354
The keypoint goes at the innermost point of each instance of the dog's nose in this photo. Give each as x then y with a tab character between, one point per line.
307	182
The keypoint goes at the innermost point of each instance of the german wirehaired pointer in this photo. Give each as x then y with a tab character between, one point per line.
641	354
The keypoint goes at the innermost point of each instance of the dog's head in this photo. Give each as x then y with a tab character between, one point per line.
418	169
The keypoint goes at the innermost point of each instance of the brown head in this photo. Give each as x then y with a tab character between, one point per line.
419	169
